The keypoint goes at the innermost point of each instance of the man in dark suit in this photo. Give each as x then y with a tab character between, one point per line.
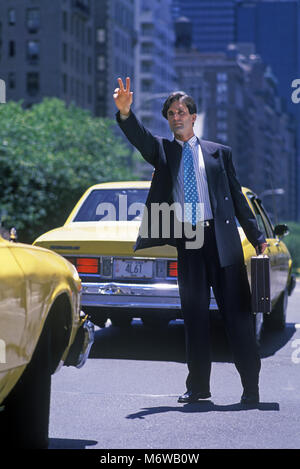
191	171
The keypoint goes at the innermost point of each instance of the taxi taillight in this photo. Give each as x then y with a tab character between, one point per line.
87	265
172	269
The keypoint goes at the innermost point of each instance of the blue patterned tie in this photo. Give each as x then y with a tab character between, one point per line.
190	185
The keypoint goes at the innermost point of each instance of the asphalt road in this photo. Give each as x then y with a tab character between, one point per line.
125	396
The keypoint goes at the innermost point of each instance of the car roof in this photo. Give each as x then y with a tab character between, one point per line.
122	185
138	185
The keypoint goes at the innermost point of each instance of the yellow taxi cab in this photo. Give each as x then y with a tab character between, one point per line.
120	284
42	327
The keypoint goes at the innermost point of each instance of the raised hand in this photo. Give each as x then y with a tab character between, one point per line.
123	96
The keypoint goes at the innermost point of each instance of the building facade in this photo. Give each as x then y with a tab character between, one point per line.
47	50
237	97
212	22
271	28
154	62
115	40
274	28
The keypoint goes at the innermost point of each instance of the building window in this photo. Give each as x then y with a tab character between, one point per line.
147	29
101	35
33	20
77	59
89	36
222	113
221	77
146	66
101	62
222	125
101	88
11	17
89	94
33	83
65	52
72	86
89	65
146	48
221	93
65	21
72	56
146	85
222	136
33	52
11	48
11	80
65	83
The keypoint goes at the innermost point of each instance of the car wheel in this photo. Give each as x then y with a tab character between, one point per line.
26	413
277	319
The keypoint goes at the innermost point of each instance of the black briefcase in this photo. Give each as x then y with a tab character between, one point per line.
260	284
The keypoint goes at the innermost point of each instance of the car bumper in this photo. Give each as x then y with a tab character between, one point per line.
81	347
160	296
292	284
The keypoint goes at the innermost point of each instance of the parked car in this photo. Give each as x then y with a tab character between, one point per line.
42	327
120	284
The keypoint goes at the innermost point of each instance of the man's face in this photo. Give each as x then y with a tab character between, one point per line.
180	120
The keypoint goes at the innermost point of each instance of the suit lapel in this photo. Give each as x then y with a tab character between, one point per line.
173	153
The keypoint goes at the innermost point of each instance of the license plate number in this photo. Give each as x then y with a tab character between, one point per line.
133	268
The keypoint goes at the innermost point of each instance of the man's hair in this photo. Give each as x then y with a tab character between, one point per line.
179	96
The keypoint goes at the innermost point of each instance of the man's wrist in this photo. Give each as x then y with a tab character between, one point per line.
124	115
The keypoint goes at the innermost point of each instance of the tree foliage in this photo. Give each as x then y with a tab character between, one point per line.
49	155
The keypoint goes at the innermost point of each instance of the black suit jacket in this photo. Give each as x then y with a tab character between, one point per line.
226	197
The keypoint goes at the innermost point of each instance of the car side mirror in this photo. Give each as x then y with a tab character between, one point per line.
13	235
281	230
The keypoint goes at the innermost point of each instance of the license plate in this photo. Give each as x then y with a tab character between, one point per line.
131	268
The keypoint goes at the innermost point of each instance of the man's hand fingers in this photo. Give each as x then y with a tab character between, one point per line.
128	85
121	84
116	93
261	248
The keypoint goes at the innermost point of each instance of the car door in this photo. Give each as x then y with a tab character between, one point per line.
266	228
12	312
274	249
282	255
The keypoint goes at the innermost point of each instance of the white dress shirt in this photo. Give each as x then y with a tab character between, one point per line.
201	178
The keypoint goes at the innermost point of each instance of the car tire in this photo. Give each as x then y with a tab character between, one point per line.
26	414
276	320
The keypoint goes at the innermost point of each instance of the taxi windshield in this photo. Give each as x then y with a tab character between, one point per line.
113	205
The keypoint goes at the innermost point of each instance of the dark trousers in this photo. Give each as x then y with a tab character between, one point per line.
198	269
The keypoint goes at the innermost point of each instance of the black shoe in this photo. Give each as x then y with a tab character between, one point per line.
190	396
250	398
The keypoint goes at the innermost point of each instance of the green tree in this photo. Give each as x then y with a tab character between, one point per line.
49	155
